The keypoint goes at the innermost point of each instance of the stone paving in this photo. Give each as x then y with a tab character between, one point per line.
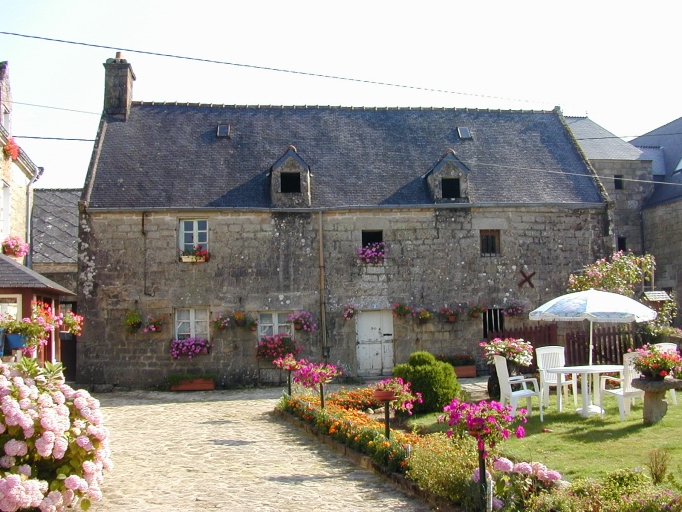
223	450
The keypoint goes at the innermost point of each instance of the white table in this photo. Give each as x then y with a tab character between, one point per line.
588	371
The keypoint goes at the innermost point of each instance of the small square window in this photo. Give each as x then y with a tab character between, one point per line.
193	233
291	183
223	130
191	323
450	188
618	182
490	242
622	243
273	322
372	237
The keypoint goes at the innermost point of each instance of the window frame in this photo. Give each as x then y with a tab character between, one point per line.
268	328
372	236
493	321
496	236
195	330
195	232
451	181
291	184
17	300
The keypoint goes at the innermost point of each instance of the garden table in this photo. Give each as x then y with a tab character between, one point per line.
589	372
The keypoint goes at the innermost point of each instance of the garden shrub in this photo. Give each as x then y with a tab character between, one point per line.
435	380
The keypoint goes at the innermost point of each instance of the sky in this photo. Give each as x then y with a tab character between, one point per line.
615	62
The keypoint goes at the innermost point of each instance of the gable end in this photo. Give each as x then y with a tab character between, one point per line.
290	183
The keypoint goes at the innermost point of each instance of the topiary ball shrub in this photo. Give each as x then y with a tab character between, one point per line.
435	380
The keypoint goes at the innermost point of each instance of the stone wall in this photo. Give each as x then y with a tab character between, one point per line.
264	261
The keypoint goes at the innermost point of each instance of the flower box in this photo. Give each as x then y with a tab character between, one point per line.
465	371
194	385
193	259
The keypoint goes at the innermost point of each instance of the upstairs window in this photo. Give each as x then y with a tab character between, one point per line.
372	237
618	182
291	183
191	323
490	242
192	233
450	188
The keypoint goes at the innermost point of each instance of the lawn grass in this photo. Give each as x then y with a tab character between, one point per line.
589	447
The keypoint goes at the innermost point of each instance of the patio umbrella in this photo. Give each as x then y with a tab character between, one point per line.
595	306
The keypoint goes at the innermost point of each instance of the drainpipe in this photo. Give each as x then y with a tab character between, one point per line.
323	299
29	207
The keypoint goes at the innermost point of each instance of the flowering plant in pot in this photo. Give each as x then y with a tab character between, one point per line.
220	322
450	314
240	319
404	397
195	254
54	457
655	363
133	321
290	364
514	308
302	320
11	149
476	310
400	309
189	347
279	345
153	324
312	375
515	350
71	322
423	315
252	324
373	253
13	245
350	311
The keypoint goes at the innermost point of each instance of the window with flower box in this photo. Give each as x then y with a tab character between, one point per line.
191	323
273	322
193	232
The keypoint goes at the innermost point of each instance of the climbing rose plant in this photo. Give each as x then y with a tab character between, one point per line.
54	446
621	273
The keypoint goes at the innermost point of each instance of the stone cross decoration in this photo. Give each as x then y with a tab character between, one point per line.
526	279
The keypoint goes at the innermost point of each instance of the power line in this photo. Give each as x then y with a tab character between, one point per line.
56	108
50	138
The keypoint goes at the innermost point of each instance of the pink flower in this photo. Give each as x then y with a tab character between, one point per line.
523	467
503	464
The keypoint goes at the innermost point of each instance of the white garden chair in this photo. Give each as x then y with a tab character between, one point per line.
669	347
554	357
625	393
506	392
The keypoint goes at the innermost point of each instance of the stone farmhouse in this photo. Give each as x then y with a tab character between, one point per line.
473	206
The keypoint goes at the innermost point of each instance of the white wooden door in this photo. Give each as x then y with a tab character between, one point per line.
374	331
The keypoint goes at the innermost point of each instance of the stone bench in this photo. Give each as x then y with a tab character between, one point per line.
655	406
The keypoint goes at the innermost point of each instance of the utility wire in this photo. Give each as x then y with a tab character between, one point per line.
56	108
51	138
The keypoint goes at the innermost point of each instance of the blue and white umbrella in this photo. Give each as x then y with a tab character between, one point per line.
595	306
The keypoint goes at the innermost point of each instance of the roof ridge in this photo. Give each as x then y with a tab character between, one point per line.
339	107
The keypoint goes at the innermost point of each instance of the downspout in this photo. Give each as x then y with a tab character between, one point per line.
29	207
323	298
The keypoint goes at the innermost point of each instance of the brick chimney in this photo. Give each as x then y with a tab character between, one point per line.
118	87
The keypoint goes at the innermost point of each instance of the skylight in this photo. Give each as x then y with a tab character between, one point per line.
464	132
223	130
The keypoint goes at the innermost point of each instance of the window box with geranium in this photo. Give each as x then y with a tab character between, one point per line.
302	320
273	347
189	347
374	252
13	245
197	254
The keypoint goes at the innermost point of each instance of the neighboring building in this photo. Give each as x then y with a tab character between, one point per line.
662	214
473	206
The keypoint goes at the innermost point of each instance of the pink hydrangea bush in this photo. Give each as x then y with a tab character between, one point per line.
54	445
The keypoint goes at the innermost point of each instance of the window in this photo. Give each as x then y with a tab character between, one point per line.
618	181
191	323
193	233
223	130
10	305
493	321
490	242
4	120
372	237
290	182
464	133
622	245
273	322
450	188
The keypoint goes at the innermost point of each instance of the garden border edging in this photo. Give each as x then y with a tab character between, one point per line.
365	462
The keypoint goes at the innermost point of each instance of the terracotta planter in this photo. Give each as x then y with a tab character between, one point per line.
253	327
240	323
194	385
384	396
465	371
298	326
452	319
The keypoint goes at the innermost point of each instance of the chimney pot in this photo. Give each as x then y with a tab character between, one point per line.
118	55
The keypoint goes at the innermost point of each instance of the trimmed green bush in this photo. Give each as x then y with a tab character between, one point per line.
435	380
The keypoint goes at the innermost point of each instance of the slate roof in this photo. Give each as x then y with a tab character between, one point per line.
15	275
599	143
55	225
168	156
669	139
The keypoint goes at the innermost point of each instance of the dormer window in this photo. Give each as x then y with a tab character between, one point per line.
450	188
290	183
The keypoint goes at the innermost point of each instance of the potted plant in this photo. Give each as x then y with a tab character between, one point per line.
400	310
153	324
422	315
13	245
240	319
71	323
312	375
350	311
450	315
196	254
398	392
373	253
191	382
252	324
220	322
133	321
476	310
656	364
273	347
189	347
22	333
514	308
302	320
11	149
464	364
516	351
